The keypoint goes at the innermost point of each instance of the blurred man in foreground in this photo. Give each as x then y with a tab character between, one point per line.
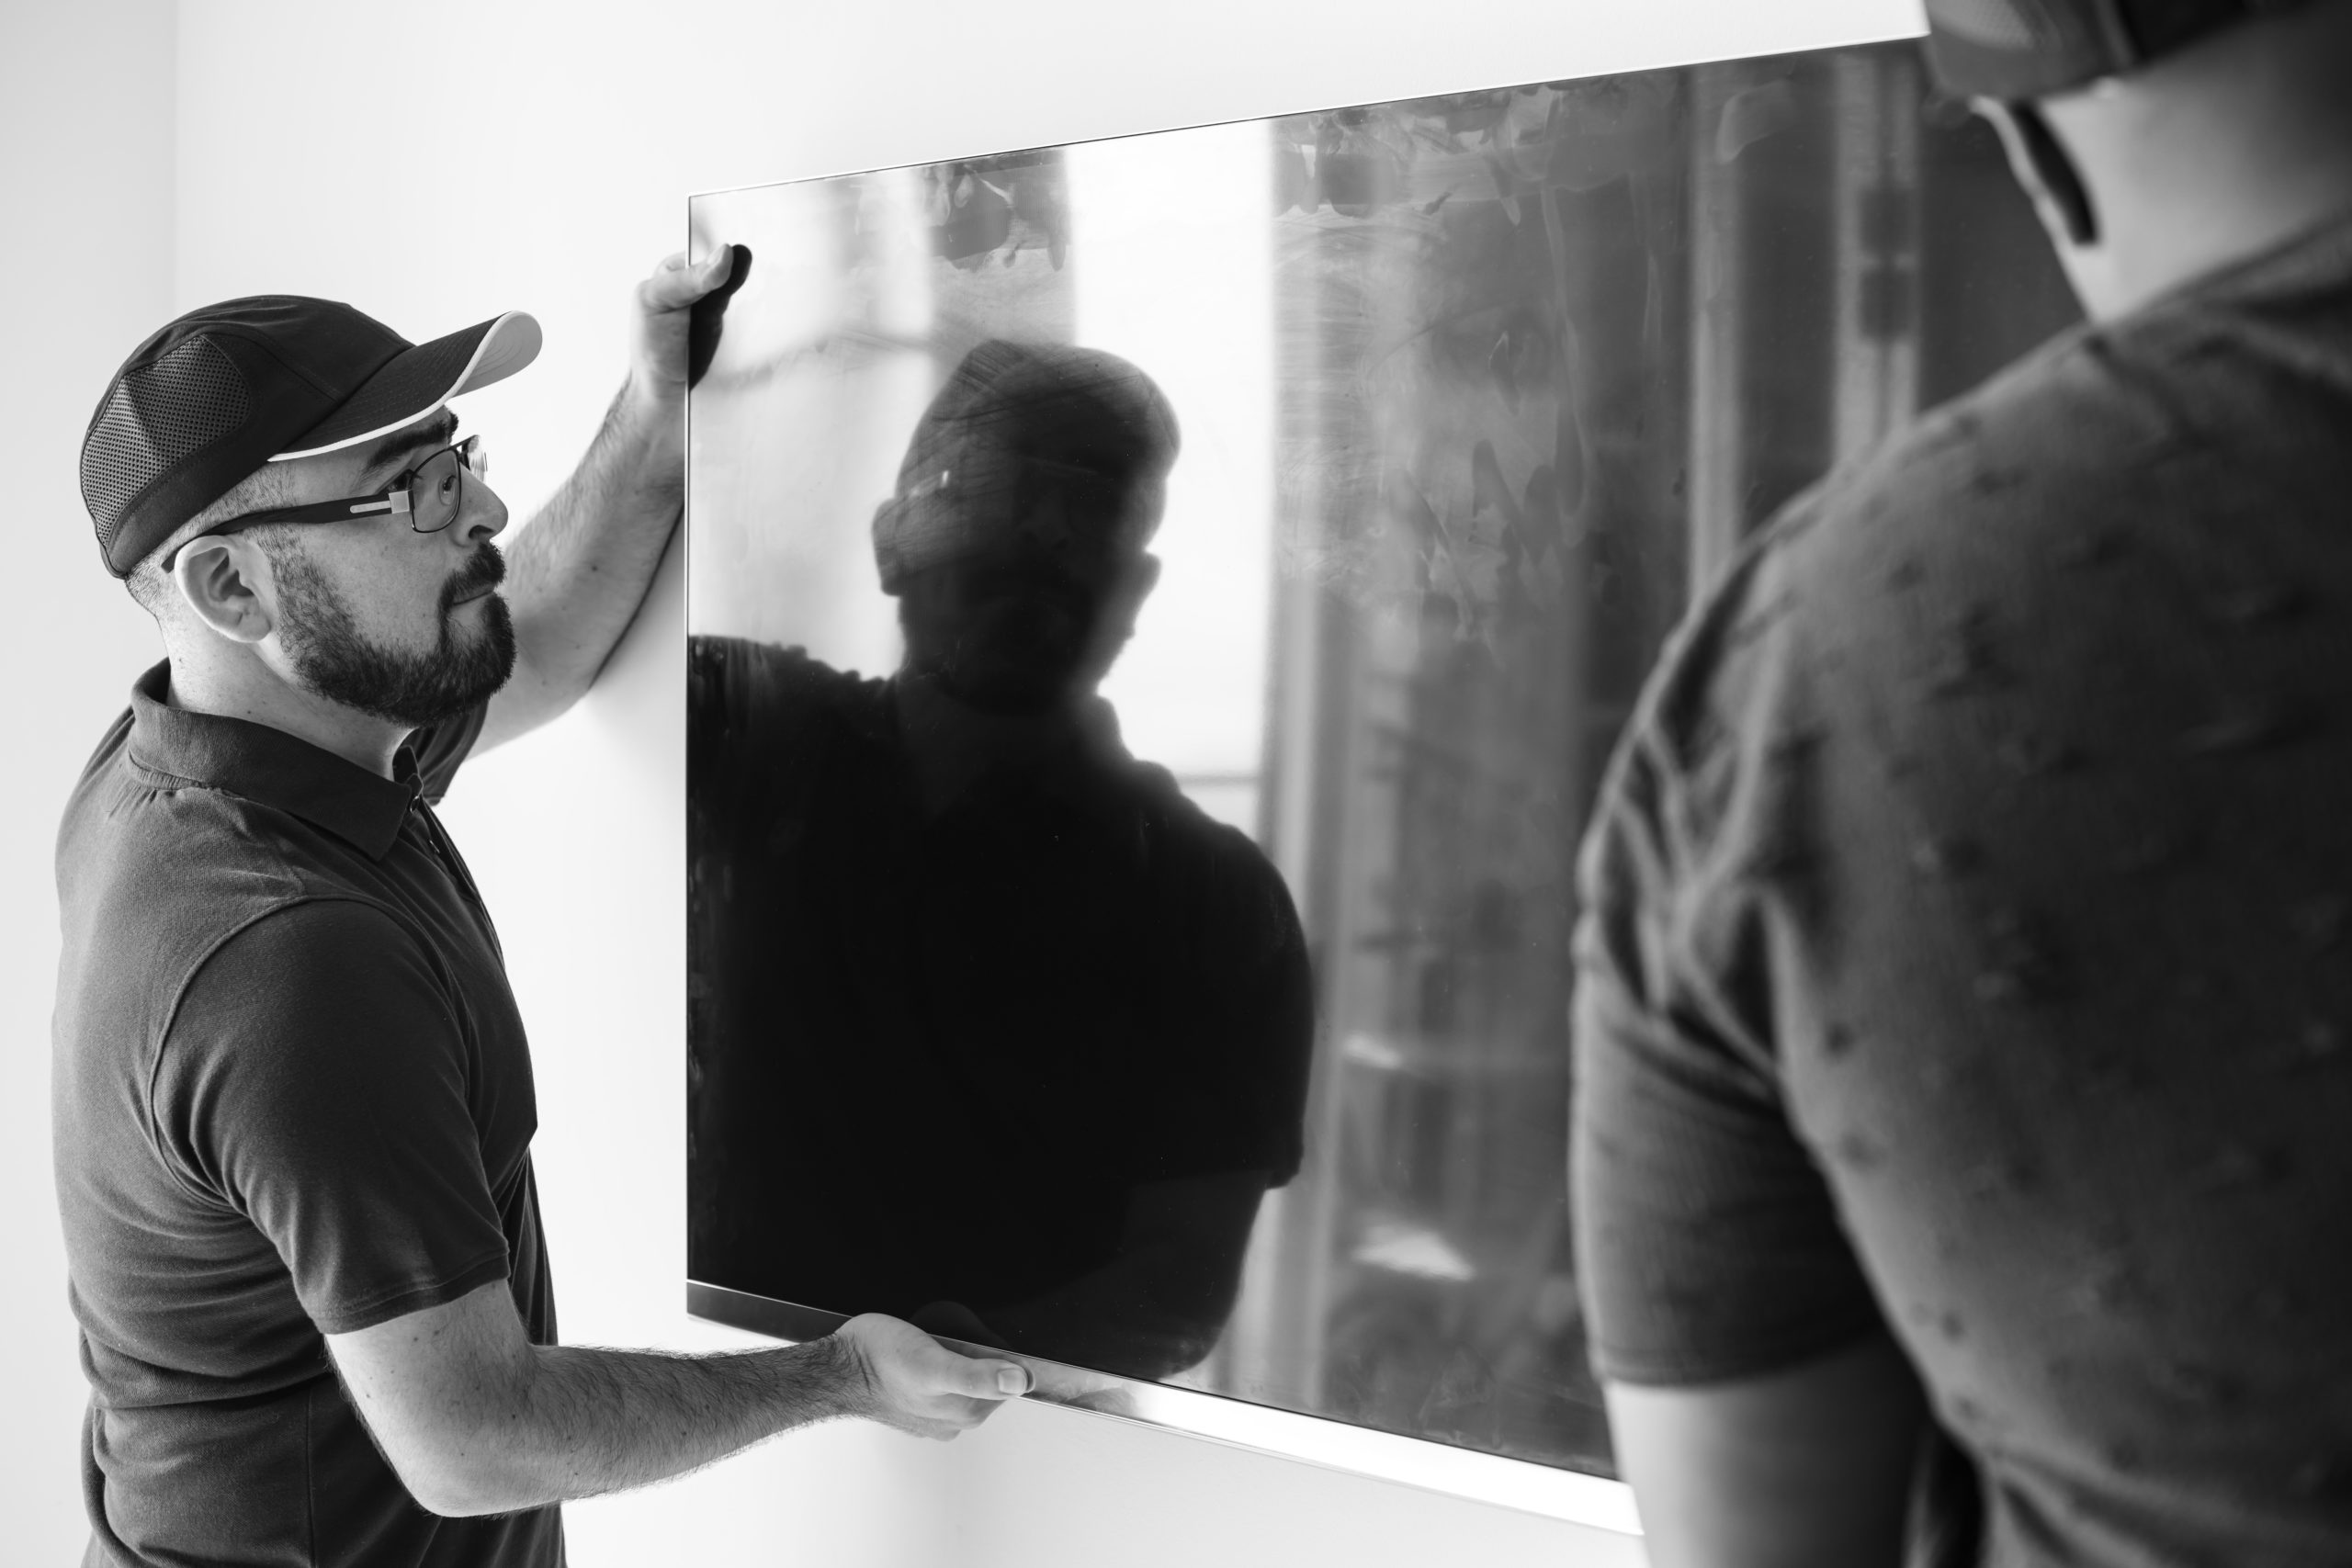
1962	1022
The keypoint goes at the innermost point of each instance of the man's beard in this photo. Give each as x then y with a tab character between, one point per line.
1017	650
331	659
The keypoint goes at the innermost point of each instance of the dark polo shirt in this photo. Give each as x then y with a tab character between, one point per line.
292	1098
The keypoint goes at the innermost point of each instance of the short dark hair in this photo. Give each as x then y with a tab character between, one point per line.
150	585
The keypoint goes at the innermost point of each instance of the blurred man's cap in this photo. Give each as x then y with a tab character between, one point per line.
214	395
1014	421
2015	49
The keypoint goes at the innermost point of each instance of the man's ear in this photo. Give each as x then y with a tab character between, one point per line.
225	580
2046	170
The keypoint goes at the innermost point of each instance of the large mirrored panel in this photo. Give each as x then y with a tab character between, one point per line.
1160	610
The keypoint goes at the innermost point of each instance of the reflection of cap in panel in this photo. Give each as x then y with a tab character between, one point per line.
214	395
2027	49
1013	420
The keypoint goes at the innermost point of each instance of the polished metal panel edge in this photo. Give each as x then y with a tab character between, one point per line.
1565	1495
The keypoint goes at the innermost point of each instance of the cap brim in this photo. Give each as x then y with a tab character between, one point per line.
1967	69
417	382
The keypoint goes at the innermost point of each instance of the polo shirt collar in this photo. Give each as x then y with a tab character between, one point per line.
270	767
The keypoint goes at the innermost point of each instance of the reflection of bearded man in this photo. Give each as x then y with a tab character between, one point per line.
335	660
1016	542
957	888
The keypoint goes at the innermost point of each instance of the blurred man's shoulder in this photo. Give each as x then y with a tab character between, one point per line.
2163	413
1885	572
2005	496
1205	861
2046	429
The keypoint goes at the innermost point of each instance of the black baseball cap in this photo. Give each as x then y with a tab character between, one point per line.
2016	50
223	389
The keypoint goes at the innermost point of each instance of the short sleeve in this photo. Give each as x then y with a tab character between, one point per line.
316	1078
1241	1102
1268	1078
1709	1242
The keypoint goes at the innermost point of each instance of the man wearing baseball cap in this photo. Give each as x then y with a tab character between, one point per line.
293	1096
1964	1020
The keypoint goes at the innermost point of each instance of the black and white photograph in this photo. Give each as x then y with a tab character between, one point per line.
914	787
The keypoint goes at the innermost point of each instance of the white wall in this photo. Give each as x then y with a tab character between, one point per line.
86	272
434	161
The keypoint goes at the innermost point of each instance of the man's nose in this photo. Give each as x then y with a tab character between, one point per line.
482	516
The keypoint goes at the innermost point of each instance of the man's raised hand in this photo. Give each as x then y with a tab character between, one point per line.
664	311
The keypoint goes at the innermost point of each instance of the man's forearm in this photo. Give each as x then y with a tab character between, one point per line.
478	1420
578	572
587	1421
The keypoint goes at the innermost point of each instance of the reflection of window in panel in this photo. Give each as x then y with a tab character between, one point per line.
1275	1338
1728	103
1000	233
1556	352
1762	148
1785	174
1490	457
1172	236
1429	1138
1436	996
1990	287
821	373
1858	252
1874	321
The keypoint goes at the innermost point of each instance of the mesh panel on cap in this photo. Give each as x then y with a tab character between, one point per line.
156	416
1994	24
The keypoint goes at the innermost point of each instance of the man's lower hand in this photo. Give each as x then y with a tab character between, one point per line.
908	1379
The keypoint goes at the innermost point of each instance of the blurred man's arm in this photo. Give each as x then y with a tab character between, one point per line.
578	572
478	1420
1806	1468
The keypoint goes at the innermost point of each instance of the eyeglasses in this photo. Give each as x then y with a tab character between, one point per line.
429	495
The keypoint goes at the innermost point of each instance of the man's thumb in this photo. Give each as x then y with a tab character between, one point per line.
997	1380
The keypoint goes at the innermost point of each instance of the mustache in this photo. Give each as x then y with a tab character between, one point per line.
486	568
